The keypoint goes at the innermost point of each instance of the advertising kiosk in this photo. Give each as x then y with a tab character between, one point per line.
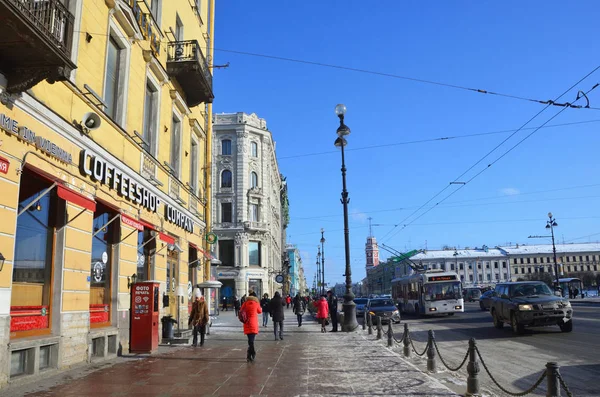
143	317
209	290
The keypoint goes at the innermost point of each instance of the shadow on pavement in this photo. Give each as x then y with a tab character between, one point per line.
576	378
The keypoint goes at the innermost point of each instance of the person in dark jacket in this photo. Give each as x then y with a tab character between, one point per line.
236	305
264	305
299	308
252	308
276	309
332	301
199	317
224	303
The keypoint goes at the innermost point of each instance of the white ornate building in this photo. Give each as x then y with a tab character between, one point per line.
247	211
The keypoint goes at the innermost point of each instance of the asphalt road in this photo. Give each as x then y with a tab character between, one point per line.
516	361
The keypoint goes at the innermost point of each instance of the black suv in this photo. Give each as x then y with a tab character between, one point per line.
530	303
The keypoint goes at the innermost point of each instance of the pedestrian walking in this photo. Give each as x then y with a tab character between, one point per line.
264	305
322	312
243	299
332	301
299	308
199	317
288	300
276	308
224	304
251	308
236	305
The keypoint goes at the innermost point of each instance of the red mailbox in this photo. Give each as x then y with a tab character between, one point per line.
143	317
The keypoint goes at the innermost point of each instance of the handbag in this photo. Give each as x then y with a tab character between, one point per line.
242	316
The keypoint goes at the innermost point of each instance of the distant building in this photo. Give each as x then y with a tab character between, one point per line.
297	281
371	252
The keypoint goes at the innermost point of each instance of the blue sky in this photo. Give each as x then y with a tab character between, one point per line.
533	49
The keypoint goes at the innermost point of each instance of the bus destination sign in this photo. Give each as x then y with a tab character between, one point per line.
442	278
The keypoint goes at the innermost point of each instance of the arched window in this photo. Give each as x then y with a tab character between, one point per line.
226	179
226	147
254	149
253	180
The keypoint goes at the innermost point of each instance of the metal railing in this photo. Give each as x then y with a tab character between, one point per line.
554	380
186	51
52	18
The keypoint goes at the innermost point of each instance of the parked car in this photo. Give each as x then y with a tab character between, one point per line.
471	294
485	302
360	306
530	304
384	308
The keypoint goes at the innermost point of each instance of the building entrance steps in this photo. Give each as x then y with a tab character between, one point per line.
305	363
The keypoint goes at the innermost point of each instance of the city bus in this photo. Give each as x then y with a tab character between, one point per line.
432	292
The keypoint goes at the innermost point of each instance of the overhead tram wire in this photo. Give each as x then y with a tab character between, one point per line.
490	152
376	73
488	166
447	138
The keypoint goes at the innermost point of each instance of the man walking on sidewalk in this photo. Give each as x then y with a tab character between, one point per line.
199	317
298	307
276	308
332	301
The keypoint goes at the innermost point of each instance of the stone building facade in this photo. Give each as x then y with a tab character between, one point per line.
247	210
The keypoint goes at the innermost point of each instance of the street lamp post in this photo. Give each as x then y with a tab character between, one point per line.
550	224
322	261
319	285
349	307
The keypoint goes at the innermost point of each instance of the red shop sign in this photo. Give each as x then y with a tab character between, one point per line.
4	163
132	222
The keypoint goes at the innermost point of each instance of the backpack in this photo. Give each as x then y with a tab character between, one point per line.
242	316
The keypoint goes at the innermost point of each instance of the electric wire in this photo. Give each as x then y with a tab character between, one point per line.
548	102
490	152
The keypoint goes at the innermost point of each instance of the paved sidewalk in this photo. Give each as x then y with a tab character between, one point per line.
306	363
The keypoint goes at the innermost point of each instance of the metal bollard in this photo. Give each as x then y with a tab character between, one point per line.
364	320
553	385
406	341
431	352
390	334
473	371
379	333
370	324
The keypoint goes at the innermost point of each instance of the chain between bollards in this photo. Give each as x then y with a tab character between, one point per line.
379	334
406	341
370	324
390	334
431	352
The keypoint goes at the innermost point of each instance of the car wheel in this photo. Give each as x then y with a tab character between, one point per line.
482	306
497	323
566	327
516	327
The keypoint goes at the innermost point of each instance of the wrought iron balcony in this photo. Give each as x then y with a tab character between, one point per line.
187	64
35	42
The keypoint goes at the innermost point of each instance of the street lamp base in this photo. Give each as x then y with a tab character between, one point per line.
350	324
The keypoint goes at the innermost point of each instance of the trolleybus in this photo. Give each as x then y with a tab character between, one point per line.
432	292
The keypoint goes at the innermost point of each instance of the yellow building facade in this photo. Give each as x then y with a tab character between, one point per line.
105	122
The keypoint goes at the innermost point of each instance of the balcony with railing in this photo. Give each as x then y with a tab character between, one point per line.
35	42
187	64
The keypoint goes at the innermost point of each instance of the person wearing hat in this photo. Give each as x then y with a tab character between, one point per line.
199	317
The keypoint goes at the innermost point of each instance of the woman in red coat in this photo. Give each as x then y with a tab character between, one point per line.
322	312
252	309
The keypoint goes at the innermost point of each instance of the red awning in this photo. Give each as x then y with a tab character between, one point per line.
166	238
206	254
147	224
134	223
76	198
194	246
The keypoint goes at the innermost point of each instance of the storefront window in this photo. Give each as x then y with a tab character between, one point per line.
146	249
34	246
101	265
254	253
256	286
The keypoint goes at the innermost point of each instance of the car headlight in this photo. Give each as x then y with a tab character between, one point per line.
432	309
525	307
395	313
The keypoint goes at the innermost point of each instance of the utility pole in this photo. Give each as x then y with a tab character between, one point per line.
322	261
319	285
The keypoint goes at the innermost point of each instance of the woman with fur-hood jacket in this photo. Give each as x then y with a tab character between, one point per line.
252	309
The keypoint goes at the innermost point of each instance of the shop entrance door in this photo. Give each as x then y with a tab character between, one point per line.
172	277
256	286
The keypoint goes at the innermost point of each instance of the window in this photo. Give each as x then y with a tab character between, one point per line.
515	261
146	248
452	266
150	126
193	264
580	258
194	166
155	10
548	260
254	149
568	268
226	212
470	266
534	260
470	277
487	265
528	260
528	270
176	146
587	258
497	277
226	147
113	86
521	260
254	253
479	266
226	179
34	243
460	266
568	259
254	212
101	265
495	265
178	28
226	252
503	265
253	180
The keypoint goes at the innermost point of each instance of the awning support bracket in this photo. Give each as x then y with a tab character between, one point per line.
45	192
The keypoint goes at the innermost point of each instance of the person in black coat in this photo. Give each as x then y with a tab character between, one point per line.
276	310
299	307
333	309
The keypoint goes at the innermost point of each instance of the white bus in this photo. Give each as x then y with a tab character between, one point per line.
432	292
